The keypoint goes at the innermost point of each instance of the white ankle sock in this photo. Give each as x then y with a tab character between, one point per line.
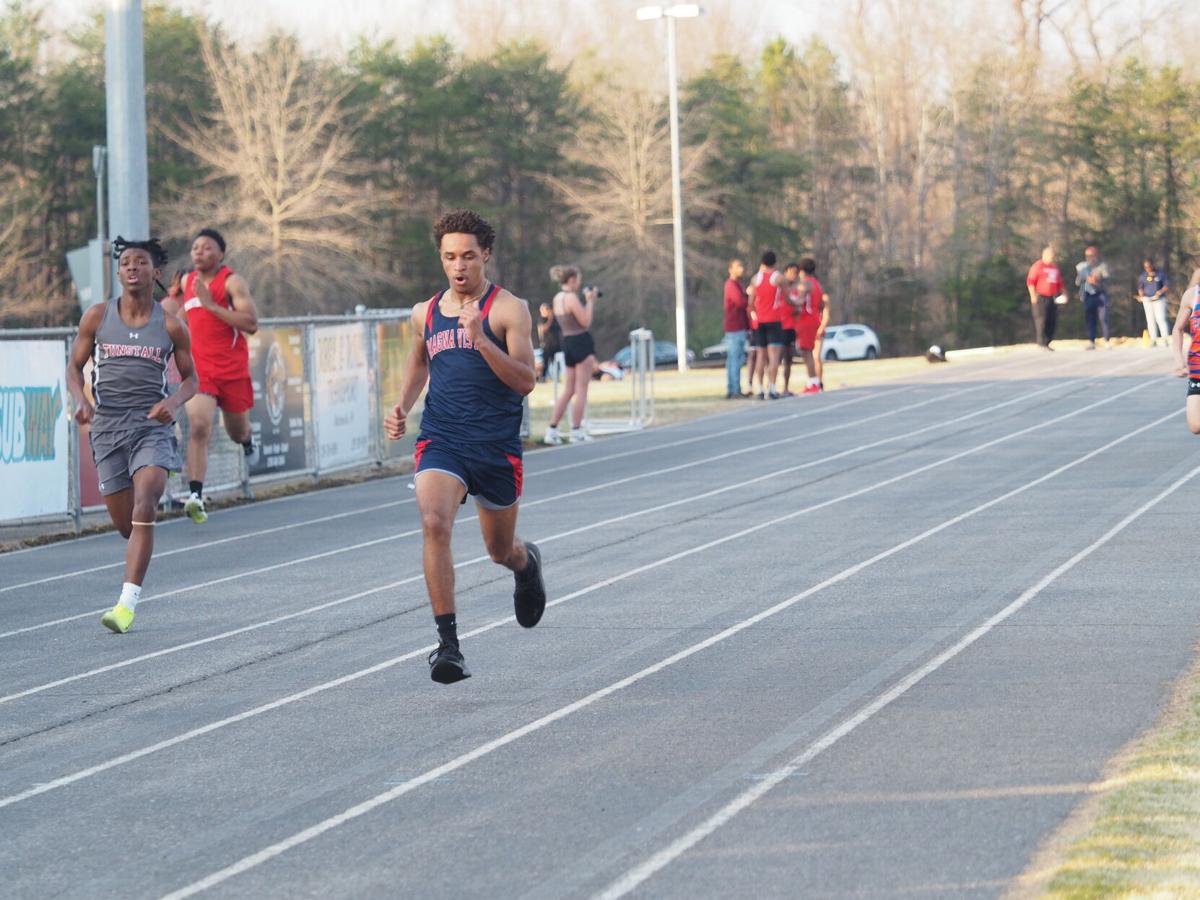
130	594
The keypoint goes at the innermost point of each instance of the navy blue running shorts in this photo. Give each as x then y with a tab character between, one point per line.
493	476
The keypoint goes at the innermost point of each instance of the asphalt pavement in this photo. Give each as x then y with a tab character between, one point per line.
871	643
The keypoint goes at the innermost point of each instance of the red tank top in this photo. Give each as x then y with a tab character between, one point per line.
219	349
768	299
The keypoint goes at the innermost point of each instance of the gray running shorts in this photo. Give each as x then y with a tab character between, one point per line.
118	456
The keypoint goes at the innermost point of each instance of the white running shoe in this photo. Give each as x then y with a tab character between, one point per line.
553	436
193	507
253	455
580	436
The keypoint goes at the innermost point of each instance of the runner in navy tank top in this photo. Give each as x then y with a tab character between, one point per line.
472	345
130	340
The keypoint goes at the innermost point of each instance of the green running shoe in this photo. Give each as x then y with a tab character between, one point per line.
118	619
193	506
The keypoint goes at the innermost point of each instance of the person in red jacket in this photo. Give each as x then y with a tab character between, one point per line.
737	325
216	304
1045	283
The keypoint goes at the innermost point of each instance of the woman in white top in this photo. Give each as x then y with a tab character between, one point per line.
574	317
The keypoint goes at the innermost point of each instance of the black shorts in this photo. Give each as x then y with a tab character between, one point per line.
1193	387
789	338
578	347
768	334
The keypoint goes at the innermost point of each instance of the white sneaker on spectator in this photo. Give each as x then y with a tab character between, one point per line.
553	436
580	436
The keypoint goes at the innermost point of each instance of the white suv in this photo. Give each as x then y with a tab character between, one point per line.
850	342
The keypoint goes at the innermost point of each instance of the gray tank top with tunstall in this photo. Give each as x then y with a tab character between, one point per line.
129	368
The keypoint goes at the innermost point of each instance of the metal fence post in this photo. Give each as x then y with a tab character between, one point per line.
375	405
74	487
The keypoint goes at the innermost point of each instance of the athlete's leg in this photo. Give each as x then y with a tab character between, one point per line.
560	405
786	358
583	379
439	495
810	363
818	353
499	529
1193	413
120	510
200	412
774	352
148	486
237	426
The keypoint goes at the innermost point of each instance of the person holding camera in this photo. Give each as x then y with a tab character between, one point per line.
574	317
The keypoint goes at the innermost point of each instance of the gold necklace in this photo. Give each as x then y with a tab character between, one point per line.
486	287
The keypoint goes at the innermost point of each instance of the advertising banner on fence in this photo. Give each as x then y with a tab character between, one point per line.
277	420
33	429
342	395
395	343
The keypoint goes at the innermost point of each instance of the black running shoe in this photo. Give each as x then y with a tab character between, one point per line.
446	664
529	598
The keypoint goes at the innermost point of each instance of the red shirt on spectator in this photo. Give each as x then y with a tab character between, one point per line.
735	307
1045	279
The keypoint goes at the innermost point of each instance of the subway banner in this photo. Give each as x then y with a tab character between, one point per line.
33	429
395	343
341	395
277	420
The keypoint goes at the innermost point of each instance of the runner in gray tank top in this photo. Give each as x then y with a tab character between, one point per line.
130	341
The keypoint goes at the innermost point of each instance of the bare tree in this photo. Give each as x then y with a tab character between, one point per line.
279	149
622	195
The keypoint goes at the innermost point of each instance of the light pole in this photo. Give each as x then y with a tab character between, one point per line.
125	95
671	13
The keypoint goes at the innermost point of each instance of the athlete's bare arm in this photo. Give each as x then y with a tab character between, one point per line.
416	374
511	323
164	410
81	351
581	308
1182	327
173	302
243	315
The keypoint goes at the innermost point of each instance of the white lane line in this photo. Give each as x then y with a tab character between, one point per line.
191	548
497	623
255	626
590	489
882	390
258	504
188	645
640	873
267	853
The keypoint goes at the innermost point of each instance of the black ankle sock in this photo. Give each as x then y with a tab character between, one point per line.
248	446
196	487
447	627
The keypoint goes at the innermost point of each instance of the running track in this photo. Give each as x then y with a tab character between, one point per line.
871	643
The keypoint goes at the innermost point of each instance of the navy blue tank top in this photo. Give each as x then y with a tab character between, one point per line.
466	402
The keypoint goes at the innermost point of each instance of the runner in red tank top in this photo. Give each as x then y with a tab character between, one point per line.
219	311
809	324
766	293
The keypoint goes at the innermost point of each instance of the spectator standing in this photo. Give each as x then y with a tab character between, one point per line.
1091	277
737	326
549	337
1045	283
1152	291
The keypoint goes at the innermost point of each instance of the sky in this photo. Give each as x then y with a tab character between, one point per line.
330	24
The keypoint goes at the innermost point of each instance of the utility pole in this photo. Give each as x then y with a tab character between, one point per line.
125	99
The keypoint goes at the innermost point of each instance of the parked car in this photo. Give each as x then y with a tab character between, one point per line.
852	341
665	354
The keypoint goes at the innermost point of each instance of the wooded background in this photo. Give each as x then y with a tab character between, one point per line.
922	153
